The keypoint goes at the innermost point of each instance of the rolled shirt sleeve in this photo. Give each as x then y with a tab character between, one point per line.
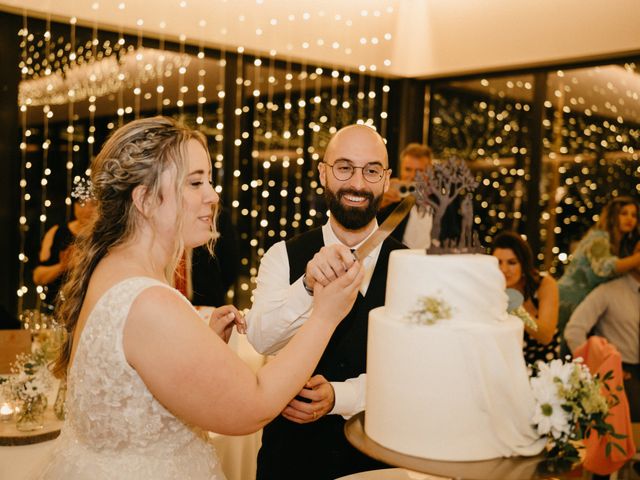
350	396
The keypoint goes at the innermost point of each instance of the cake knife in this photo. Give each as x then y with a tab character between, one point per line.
384	230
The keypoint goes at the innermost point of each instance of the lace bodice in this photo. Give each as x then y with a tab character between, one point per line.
114	427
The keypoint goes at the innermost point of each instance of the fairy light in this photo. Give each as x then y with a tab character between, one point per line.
219	126
286	159
300	153
371	103
91	137
46	143
137	82
200	88
259	220
361	98
237	141
22	219
385	108
160	78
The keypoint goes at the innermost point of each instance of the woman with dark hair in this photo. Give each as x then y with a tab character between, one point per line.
605	252
540	294
57	244
145	374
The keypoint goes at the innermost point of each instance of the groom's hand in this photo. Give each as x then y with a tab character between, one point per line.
328	264
315	400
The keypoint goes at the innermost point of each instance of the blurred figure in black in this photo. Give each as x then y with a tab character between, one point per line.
211	277
57	243
8	321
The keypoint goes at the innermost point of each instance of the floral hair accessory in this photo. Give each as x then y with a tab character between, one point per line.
82	190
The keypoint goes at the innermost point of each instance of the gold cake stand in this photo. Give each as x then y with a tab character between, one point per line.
515	468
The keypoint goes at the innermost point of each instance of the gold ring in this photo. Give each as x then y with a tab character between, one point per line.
315	415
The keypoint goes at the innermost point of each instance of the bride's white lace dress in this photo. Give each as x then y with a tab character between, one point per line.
115	428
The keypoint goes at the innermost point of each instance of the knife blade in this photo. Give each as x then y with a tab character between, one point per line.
384	230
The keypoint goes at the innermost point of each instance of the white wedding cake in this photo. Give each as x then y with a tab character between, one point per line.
446	378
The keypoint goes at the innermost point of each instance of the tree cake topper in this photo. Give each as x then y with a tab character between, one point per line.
436	190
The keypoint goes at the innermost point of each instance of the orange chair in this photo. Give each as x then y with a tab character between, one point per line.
600	357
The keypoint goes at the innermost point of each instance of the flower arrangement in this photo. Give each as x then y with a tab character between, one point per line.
430	310
31	377
569	404
29	383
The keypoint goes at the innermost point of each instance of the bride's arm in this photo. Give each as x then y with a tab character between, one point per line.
194	374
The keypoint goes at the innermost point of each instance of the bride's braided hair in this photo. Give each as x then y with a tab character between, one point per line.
136	154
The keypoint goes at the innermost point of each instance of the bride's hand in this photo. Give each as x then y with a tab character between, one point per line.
336	299
223	319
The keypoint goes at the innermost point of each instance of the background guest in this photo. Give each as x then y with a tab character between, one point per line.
213	276
56	247
415	230
612	310
540	293
602	254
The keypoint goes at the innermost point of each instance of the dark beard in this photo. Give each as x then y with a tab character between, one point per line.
352	218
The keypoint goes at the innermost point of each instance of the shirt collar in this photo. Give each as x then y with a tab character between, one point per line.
330	237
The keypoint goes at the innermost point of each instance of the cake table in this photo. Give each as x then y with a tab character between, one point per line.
515	468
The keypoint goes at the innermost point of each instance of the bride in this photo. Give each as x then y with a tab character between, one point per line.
145	374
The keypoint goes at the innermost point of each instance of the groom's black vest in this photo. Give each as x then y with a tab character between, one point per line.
319	450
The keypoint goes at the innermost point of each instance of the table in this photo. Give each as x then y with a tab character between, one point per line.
237	454
517	468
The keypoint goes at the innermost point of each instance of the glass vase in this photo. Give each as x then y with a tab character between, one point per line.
58	406
31	416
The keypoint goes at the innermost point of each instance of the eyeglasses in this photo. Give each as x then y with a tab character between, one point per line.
344	170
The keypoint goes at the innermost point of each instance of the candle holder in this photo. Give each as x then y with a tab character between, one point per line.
7	411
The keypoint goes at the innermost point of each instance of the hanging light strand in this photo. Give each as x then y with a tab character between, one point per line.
300	163
24	196
70	134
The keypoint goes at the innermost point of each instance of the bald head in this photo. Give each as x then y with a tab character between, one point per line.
357	142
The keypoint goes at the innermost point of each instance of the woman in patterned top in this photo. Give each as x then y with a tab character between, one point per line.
603	253
540	295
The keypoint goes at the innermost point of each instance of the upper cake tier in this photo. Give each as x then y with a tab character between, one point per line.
471	284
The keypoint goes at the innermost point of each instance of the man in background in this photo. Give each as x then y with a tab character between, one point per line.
613	311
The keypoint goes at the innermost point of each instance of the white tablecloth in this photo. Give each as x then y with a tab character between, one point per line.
237	454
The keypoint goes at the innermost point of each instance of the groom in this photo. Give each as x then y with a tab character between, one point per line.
307	440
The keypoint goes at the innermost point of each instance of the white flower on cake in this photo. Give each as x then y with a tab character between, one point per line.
430	310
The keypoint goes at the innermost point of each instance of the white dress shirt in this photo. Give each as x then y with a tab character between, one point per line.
280	308
417	234
614	309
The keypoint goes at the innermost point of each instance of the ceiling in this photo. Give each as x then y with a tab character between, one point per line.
413	38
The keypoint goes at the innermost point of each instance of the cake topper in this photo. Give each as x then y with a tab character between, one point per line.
436	190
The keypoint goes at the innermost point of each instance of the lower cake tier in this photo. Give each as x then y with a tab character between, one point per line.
450	391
